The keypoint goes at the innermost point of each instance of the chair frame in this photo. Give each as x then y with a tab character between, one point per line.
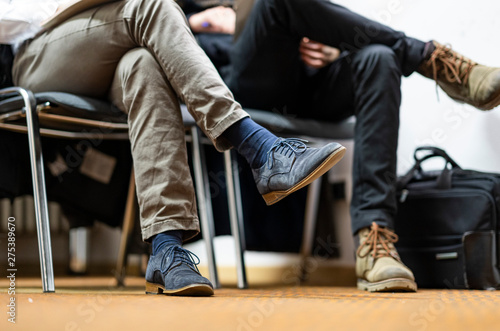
33	113
39	190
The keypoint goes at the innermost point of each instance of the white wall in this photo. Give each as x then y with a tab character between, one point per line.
470	136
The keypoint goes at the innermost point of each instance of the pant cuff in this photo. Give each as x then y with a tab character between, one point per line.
365	219
190	228
221	143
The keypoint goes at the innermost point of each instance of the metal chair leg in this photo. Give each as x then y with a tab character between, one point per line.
204	203
236	215
39	190
127	227
311	213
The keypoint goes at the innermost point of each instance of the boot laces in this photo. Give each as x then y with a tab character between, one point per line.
450	64
287	147
378	242
176	254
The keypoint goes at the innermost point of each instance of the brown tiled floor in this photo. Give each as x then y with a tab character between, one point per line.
96	304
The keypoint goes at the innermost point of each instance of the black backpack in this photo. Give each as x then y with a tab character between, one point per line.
6	59
448	223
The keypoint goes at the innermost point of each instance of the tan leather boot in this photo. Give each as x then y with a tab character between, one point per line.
378	266
463	79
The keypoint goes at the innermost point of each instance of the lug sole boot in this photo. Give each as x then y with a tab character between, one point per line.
378	265
461	78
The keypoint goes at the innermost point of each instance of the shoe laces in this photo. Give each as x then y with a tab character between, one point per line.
287	147
450	64
378	242
176	254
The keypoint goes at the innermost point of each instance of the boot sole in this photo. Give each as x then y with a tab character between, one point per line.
327	164
389	285
190	290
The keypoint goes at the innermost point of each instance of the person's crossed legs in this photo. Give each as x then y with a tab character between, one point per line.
267	73
142	56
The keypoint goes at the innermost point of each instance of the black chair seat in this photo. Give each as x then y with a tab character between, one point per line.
282	124
66	104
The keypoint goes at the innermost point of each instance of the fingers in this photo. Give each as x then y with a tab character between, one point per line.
311	54
313	63
220	20
317	55
215	20
307	43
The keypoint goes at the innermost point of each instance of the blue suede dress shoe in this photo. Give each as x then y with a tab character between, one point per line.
173	271
292	165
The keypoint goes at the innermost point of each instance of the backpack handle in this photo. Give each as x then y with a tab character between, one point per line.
433	152
443	180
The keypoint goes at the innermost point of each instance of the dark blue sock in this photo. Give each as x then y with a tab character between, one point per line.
167	238
251	140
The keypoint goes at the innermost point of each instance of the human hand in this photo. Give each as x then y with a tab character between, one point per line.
317	55
214	20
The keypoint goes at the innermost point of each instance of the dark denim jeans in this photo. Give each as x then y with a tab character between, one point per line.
267	73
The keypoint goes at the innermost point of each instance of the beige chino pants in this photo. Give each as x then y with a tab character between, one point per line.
141	55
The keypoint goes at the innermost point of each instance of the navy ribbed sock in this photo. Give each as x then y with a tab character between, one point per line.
251	140
167	238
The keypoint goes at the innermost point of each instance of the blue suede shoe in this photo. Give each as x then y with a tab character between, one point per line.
292	165
173	272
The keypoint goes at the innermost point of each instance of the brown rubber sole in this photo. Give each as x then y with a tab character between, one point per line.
327	164
190	290
388	285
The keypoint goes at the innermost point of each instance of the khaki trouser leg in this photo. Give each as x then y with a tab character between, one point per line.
164	186
81	56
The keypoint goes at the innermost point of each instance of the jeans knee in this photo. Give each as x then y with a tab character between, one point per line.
380	56
377	80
